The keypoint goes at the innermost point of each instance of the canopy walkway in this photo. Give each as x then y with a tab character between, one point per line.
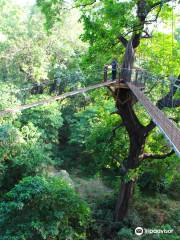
54	98
136	85
169	129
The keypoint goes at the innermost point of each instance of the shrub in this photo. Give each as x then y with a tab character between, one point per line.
175	185
125	233
46	118
42	208
21	154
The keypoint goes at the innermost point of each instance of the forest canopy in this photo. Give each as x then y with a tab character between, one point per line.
94	165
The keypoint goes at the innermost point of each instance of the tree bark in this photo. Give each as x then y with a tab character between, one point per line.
125	195
124	103
137	137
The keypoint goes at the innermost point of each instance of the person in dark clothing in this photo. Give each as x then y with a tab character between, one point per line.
37	89
105	73
52	88
114	69
55	86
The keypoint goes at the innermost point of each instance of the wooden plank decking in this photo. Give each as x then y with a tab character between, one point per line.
169	129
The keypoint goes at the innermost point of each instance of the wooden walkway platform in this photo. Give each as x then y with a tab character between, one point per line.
171	132
55	98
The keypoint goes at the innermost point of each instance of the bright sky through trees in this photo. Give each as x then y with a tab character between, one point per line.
24	2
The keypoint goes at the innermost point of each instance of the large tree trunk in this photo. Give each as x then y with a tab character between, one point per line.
137	136
124	102
125	195
136	131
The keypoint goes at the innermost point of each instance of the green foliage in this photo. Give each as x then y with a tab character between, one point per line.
174	184
125	233
8	95
16	51
156	175
46	118
27	53
22	154
92	131
80	131
103	21
39	208
51	9
164	49
102	218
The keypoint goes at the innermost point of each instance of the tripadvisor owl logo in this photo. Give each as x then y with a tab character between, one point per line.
139	231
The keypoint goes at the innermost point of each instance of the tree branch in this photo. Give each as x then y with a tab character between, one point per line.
84	5
123	40
150	127
136	40
176	120
156	156
147	35
166	101
143	9
159	3
114	131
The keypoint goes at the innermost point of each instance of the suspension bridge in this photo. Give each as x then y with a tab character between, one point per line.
136	84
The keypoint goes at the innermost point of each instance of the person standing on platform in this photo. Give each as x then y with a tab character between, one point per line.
114	66
105	73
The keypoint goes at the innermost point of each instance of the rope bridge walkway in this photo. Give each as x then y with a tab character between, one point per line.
167	127
54	98
133	79
136	77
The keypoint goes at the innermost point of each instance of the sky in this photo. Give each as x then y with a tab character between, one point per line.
31	2
24	2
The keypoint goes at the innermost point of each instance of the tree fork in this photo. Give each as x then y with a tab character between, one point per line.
124	103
